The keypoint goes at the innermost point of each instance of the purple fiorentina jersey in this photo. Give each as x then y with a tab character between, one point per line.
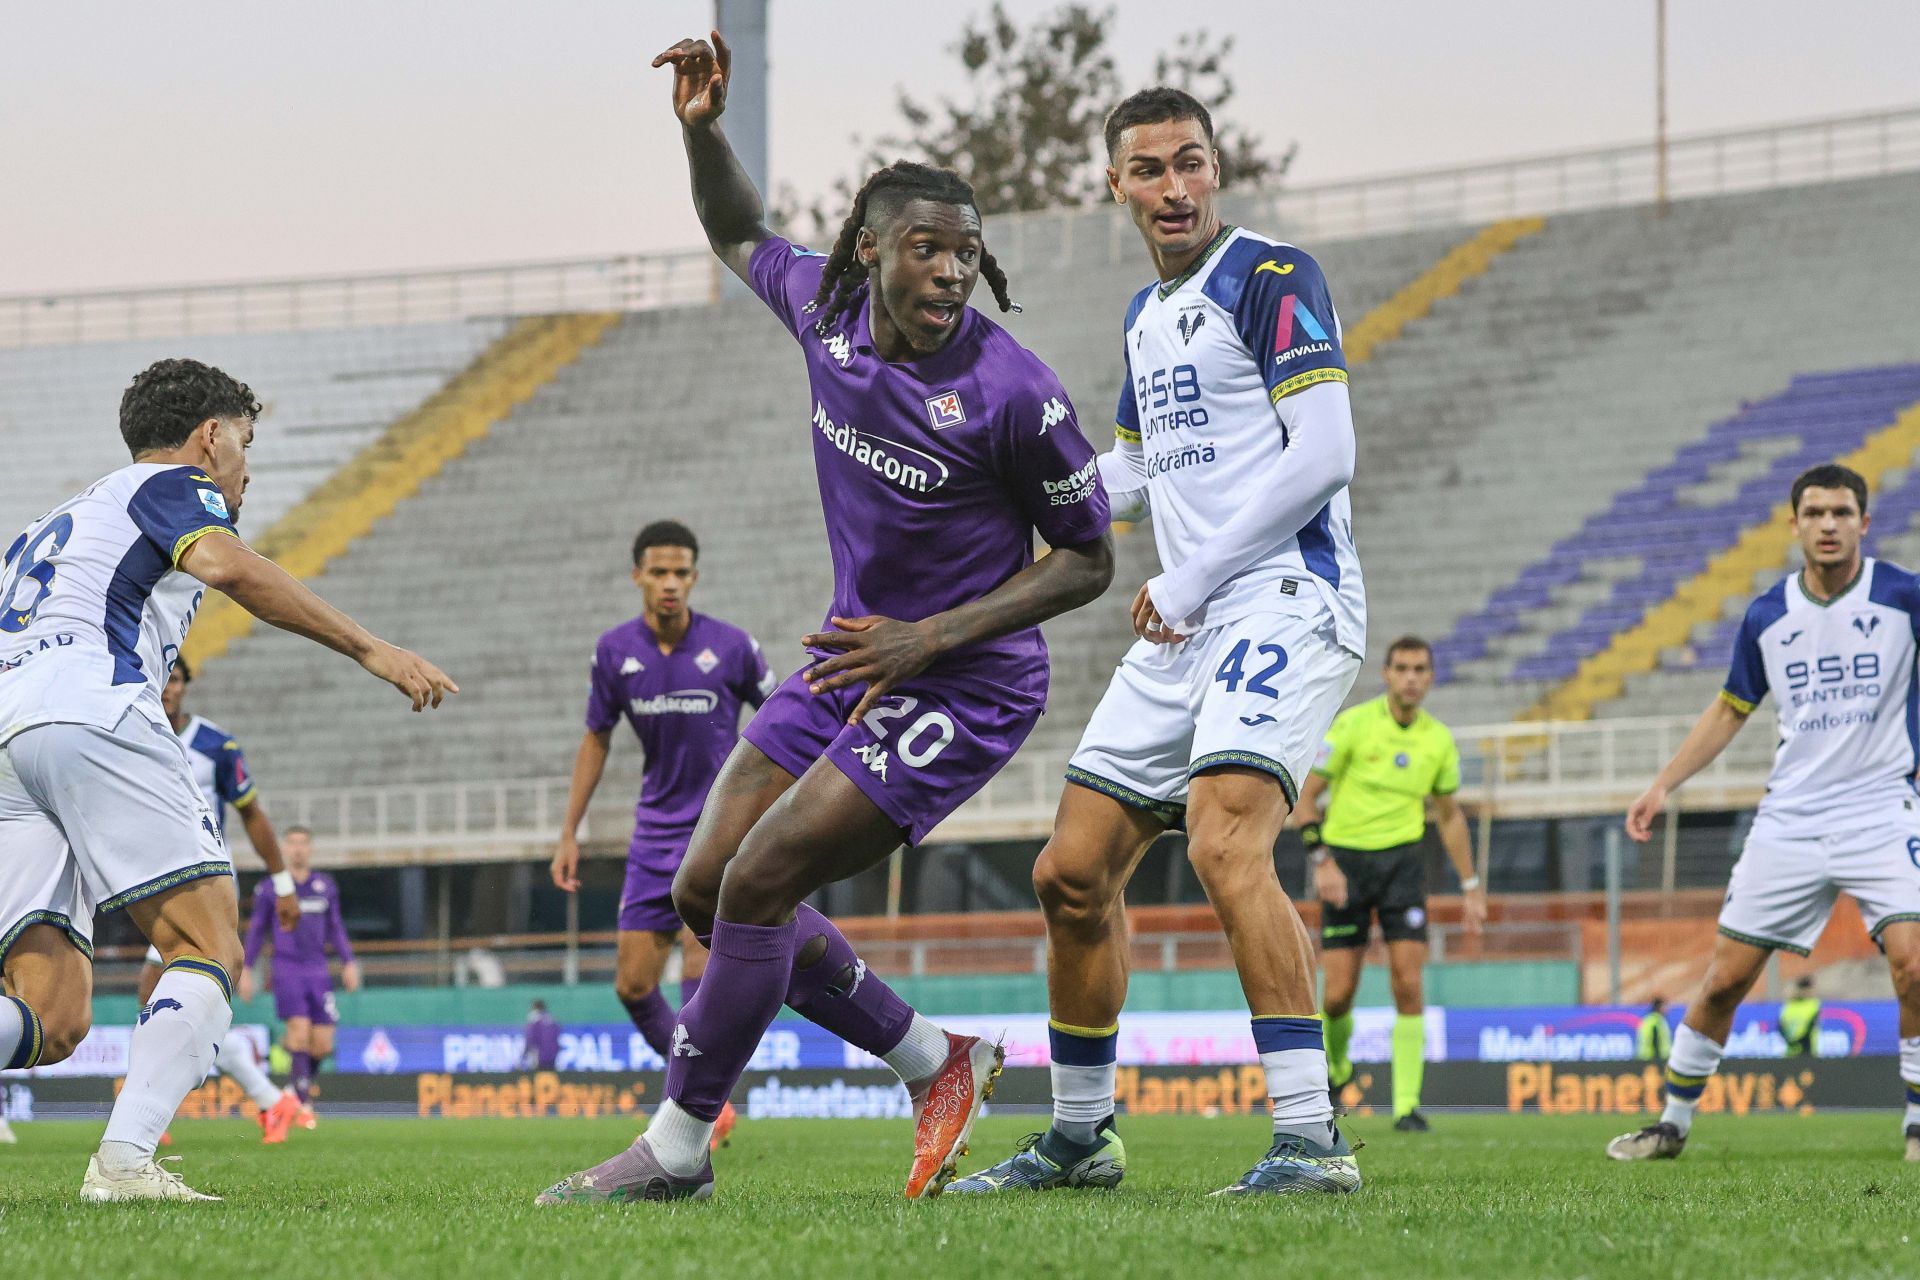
936	473
320	925
684	707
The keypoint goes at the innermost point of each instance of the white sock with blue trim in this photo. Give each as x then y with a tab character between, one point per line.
17	1034
1293	1052
173	1049
1085	1066
1690	1065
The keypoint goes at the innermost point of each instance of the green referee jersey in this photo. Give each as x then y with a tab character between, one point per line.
1381	774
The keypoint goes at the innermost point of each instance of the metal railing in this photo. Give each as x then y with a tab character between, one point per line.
1523	770
631	282
1778	155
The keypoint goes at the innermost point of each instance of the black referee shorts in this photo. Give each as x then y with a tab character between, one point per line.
1390	883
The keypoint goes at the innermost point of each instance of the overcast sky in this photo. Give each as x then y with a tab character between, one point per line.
228	139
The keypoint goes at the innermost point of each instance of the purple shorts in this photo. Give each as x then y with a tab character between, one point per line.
646	899
304	993
922	751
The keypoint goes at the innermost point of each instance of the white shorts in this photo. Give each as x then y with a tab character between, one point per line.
1257	693
92	820
1784	884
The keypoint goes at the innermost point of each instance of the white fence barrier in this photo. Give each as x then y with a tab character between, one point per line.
1559	769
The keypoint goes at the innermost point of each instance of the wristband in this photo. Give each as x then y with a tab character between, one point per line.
1470	884
282	883
1310	835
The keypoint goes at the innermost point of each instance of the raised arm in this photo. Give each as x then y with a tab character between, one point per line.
279	599
730	209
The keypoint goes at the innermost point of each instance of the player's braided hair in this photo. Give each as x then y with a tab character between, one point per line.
884	191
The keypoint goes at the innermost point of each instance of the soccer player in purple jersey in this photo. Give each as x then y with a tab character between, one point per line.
680	678
302	987
941	447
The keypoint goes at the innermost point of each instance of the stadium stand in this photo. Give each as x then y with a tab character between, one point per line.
1688	540
1629	330
326	395
509	562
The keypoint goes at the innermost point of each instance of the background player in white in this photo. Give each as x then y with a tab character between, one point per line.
97	807
1235	431
1835	644
219	769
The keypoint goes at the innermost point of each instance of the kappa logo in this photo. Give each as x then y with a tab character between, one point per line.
158	1006
631	667
945	410
1052	414
1274	267
874	756
840	349
1865	623
1190	323
682	1044
707	661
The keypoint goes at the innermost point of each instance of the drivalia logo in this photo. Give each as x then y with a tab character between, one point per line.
681	702
840	349
897	463
1052	414
158	1006
1294	312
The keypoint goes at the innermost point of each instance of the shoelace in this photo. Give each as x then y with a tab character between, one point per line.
170	1176
1027	1143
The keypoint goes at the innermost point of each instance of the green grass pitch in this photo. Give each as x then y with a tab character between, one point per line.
1480	1196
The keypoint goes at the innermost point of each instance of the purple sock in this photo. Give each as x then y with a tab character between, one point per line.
302	1075
688	986
837	991
653	1018
716	1038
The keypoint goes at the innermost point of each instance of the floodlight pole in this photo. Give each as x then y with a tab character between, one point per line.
1660	105
744	24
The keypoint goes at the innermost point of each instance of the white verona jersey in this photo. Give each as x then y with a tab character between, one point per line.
1842	676
76	590
1208	357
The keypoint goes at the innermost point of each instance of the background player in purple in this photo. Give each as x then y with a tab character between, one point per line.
941	447
680	678
302	988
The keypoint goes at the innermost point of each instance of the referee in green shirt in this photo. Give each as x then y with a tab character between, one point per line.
1380	762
